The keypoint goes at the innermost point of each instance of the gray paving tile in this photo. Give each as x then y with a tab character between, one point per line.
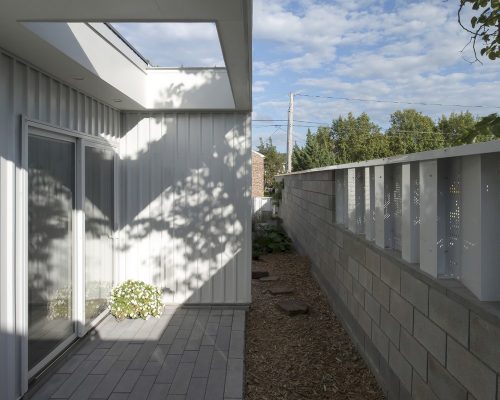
239	320
226	320
142	356
177	347
50	386
183	334
234	378
118	348
219	360
97	354
130	351
211	328
76	378
182	378
85	389
169	368
223	338
237	344
159	391
216	311
189	356
215	385
110	380
72	364
118	396
208	340
127	381
188	322
104	365
169	334
203	362
227	312
196	389
142	388
176	397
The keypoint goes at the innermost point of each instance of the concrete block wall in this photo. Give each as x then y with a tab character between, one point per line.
423	338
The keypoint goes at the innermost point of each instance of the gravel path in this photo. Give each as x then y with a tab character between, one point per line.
302	357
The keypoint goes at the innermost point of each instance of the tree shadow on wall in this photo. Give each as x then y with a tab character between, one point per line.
185	210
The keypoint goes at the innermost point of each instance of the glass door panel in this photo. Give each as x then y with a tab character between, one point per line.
51	201
99	211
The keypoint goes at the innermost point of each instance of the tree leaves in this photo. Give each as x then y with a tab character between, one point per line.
485	27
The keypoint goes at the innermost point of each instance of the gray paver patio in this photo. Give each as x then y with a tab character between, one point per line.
188	353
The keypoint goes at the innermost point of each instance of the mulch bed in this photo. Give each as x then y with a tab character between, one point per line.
307	356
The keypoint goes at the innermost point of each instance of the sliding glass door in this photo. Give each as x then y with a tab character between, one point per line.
70	210
99	210
51	204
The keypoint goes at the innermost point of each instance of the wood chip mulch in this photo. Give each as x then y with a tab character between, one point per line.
307	356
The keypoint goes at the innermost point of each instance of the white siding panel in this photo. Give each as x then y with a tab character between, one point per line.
188	219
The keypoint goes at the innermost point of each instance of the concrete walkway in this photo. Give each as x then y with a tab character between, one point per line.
186	354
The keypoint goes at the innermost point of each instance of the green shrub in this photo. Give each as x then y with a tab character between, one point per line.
135	299
269	239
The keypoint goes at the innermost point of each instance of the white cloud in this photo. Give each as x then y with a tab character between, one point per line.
175	44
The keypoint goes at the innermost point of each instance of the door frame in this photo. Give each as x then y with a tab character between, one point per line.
81	140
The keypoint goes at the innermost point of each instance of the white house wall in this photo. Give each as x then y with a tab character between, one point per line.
24	90
185	205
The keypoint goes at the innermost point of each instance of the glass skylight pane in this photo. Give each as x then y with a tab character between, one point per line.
174	44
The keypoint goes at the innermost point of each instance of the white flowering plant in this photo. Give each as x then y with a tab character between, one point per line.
135	299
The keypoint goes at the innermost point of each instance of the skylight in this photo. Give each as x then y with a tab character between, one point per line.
174	44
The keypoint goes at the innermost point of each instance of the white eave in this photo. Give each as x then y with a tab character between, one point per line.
258	154
68	39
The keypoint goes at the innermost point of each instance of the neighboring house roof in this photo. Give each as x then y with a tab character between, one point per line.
258	154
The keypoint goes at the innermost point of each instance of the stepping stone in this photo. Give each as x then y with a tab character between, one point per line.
280	290
259	274
270	279
293	307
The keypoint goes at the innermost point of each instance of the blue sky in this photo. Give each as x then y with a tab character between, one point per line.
396	50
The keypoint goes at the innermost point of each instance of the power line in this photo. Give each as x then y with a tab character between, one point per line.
396	102
295	120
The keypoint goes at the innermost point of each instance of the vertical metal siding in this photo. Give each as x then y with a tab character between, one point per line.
186	211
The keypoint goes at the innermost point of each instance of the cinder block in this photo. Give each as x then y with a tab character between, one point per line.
390	379
352	267
443	384
358	291
402	311
381	341
449	315
431	336
470	372
390	326
355	249
365	321
420	390
372	262
414	352
485	341
400	366
390	273
372	307
381	292
365	278
415	291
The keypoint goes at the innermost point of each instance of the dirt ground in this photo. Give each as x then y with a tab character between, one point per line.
307	356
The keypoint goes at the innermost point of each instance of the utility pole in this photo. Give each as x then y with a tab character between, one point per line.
289	139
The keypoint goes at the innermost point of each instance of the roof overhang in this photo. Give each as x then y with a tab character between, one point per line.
67	38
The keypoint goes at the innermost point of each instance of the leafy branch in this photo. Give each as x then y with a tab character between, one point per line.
484	27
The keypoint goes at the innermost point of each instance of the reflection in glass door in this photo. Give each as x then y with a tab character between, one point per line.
99	211
51	201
